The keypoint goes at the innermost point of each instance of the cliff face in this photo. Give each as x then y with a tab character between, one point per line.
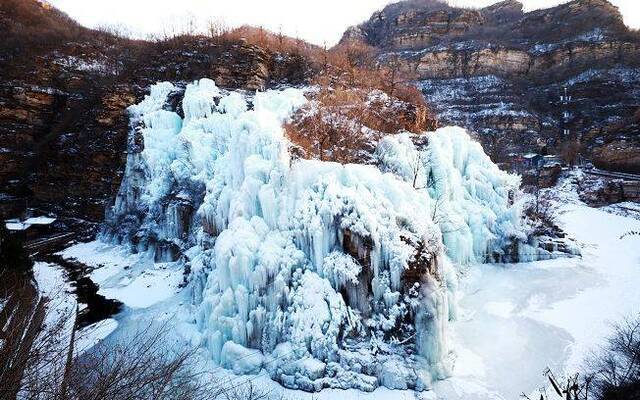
500	72
461	62
63	96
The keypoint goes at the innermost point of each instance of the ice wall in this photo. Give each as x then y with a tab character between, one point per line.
476	205
324	275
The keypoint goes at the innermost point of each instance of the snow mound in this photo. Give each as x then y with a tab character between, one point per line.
322	274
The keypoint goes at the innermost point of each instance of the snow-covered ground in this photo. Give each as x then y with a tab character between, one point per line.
61	303
519	319
133	279
515	320
91	335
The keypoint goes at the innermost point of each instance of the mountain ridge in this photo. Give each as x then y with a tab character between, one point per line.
505	71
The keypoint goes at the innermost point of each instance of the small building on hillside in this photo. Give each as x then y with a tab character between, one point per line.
532	161
551	160
31	227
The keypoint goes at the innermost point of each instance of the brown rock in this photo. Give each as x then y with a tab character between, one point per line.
618	156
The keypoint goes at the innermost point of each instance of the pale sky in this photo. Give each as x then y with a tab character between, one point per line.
316	21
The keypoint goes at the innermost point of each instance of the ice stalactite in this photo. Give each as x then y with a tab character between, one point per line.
324	275
474	203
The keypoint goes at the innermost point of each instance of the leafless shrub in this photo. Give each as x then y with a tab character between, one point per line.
329	134
614	372
140	365
541	209
217	29
630	233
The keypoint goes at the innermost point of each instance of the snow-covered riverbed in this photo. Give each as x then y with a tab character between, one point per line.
515	320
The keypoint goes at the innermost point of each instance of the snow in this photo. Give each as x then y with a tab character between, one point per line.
57	327
532	315
621	74
16	226
544	314
150	287
456	100
87	65
91	335
39	221
298	273
241	360
625	209
596	35
614	258
133	279
470	197
106	260
52	285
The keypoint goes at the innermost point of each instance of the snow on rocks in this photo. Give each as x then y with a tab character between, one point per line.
133	279
325	275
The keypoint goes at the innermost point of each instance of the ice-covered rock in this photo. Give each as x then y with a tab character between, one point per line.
325	275
241	360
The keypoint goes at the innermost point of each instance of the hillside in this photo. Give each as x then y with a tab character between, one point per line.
501	72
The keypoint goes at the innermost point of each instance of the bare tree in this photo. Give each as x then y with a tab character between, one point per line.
614	372
496	143
417	164
353	58
332	128
570	151
394	75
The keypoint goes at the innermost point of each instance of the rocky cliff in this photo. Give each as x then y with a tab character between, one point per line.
501	72
64	90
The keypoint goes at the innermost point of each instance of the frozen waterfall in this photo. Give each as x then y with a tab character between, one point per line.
321	274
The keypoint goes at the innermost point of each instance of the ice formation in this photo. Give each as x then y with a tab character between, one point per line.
472	200
321	274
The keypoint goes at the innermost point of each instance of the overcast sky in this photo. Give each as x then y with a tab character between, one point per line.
316	21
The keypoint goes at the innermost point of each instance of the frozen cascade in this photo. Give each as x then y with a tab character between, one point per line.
474	203
322	274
